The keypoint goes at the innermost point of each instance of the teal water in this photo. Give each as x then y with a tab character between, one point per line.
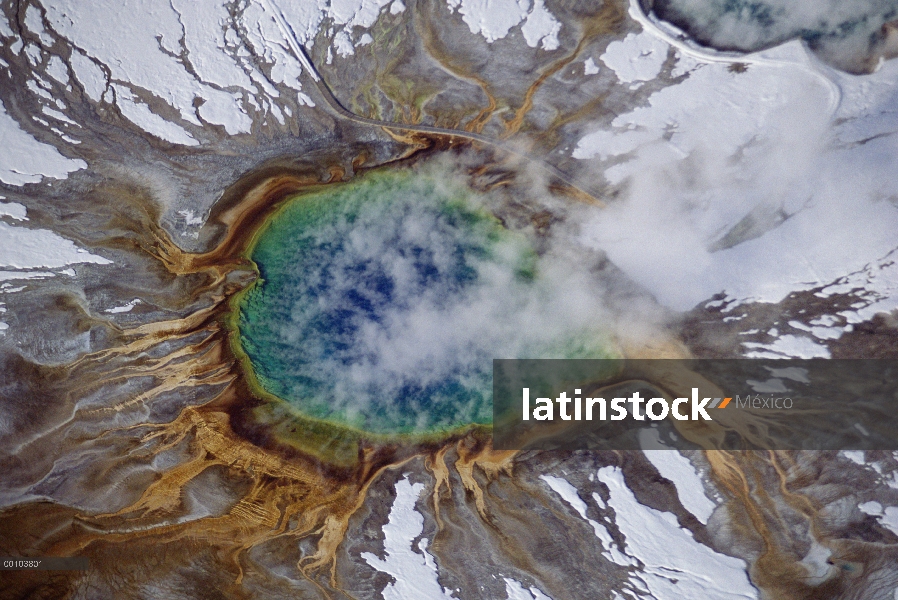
382	303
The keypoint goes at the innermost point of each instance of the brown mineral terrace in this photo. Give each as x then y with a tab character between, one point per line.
579	188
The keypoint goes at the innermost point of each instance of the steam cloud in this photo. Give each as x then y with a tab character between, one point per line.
754	184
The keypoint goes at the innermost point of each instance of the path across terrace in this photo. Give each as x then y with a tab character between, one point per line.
335	105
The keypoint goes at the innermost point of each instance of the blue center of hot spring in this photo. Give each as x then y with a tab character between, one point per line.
382	303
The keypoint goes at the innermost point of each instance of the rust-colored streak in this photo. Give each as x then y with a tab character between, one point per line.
604	21
443	58
480	120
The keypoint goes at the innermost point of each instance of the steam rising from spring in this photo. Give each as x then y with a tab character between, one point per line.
383	303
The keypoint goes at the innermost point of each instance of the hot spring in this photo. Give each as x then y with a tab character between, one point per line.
381	304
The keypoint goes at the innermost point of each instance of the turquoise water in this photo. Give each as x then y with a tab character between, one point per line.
382	303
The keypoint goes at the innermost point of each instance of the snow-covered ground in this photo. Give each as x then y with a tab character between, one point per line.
754	180
414	570
127	307
31	160
411	565
194	60
886	516
669	563
516	591
22	250
751	176
568	493
13	209
494	19
674	564
674	466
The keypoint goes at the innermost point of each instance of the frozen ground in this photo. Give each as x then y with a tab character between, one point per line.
692	570
753	177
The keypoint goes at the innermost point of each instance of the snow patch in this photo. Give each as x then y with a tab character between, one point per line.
32	160
23	248
823	333
816	563
57	70
140	114
14	210
493	19
773	385
190	218
590	67
124	307
677	468
5	30
13	275
89	74
541	27
343	45
515	591
788	346
887	517
855	456
415	572
675	566
638	57
569	494
34	23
